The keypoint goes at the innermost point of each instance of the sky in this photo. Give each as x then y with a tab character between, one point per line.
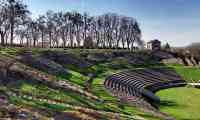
174	21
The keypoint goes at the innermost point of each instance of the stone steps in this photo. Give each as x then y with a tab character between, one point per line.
137	87
73	107
17	70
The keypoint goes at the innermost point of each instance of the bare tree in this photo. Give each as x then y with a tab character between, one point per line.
4	26
60	29
16	10
42	28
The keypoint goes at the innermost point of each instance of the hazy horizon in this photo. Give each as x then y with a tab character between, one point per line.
174	21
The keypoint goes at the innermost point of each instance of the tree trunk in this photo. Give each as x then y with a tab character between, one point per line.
2	38
71	36
128	44
11	33
42	39
12	27
34	43
27	43
50	39
98	39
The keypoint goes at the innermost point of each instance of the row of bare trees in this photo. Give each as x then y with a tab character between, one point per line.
66	29
12	14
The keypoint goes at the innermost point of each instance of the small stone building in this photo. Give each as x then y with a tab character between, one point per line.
154	45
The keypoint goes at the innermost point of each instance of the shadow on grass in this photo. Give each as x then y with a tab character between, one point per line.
168	103
171	104
148	116
190	119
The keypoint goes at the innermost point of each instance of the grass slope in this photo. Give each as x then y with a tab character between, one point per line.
182	103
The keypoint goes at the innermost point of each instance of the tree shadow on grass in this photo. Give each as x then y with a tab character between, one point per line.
148	116
168	103
190	119
171	104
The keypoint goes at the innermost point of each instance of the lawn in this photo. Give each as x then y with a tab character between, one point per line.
189	74
182	103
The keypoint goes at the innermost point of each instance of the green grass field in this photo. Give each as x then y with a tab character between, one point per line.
182	103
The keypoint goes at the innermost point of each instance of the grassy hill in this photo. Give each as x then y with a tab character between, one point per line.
178	102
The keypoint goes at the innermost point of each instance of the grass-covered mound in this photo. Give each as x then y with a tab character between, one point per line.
108	107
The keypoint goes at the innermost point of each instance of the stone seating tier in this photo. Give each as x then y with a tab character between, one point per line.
142	83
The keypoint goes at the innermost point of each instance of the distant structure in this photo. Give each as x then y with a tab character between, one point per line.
154	45
167	47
